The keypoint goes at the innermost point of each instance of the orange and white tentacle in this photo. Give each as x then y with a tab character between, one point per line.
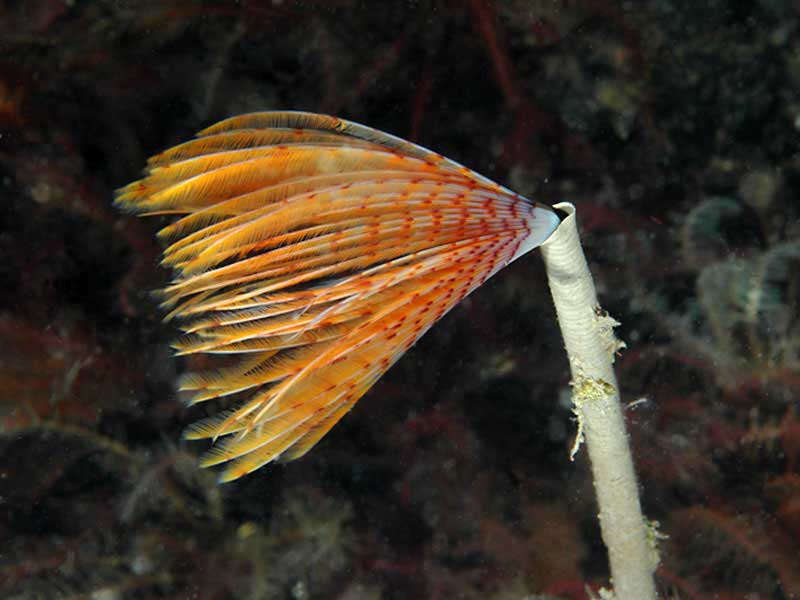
315	251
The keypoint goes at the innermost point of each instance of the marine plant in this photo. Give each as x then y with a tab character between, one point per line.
743	316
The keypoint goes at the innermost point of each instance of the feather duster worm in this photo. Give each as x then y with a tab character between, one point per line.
317	251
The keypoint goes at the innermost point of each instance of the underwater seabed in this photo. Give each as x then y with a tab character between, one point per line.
673	130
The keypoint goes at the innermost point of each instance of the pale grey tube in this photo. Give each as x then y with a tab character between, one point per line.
591	345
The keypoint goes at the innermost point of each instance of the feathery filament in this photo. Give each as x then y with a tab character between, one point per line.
315	251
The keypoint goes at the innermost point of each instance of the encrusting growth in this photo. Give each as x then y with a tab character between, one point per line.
317	251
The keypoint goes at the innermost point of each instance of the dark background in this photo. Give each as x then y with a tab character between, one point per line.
672	125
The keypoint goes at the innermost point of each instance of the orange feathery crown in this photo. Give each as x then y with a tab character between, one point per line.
317	251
